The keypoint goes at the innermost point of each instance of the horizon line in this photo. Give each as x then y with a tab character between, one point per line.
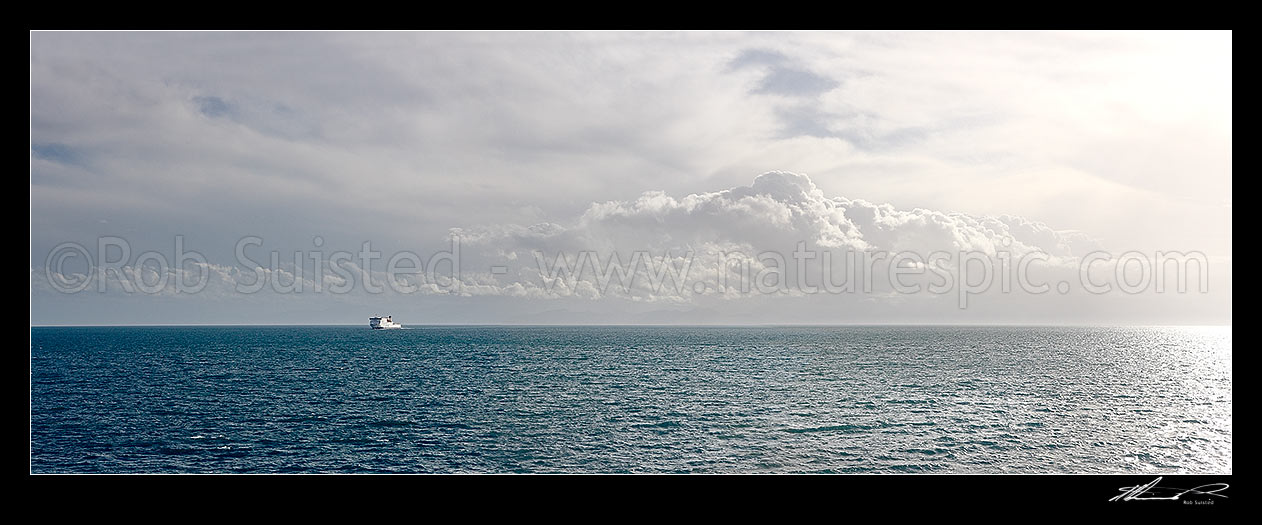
716	325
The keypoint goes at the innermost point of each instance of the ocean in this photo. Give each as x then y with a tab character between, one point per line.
630	399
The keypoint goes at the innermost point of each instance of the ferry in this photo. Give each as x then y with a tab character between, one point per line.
382	323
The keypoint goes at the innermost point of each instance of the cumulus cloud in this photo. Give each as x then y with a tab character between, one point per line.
779	248
777	214
654	248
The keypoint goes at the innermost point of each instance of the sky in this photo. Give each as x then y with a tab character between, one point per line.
504	150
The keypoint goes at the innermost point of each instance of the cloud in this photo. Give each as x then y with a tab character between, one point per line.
549	140
779	209
730	255
757	57
795	82
781	76
657	245
778	213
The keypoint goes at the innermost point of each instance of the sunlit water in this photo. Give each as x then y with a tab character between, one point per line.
631	399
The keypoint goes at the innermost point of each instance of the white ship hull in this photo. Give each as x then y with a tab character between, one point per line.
383	323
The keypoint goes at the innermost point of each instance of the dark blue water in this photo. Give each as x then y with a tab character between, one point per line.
631	399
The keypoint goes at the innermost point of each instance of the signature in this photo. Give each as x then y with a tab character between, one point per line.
1152	492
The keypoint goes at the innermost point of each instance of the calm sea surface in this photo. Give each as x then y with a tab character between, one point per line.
631	399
